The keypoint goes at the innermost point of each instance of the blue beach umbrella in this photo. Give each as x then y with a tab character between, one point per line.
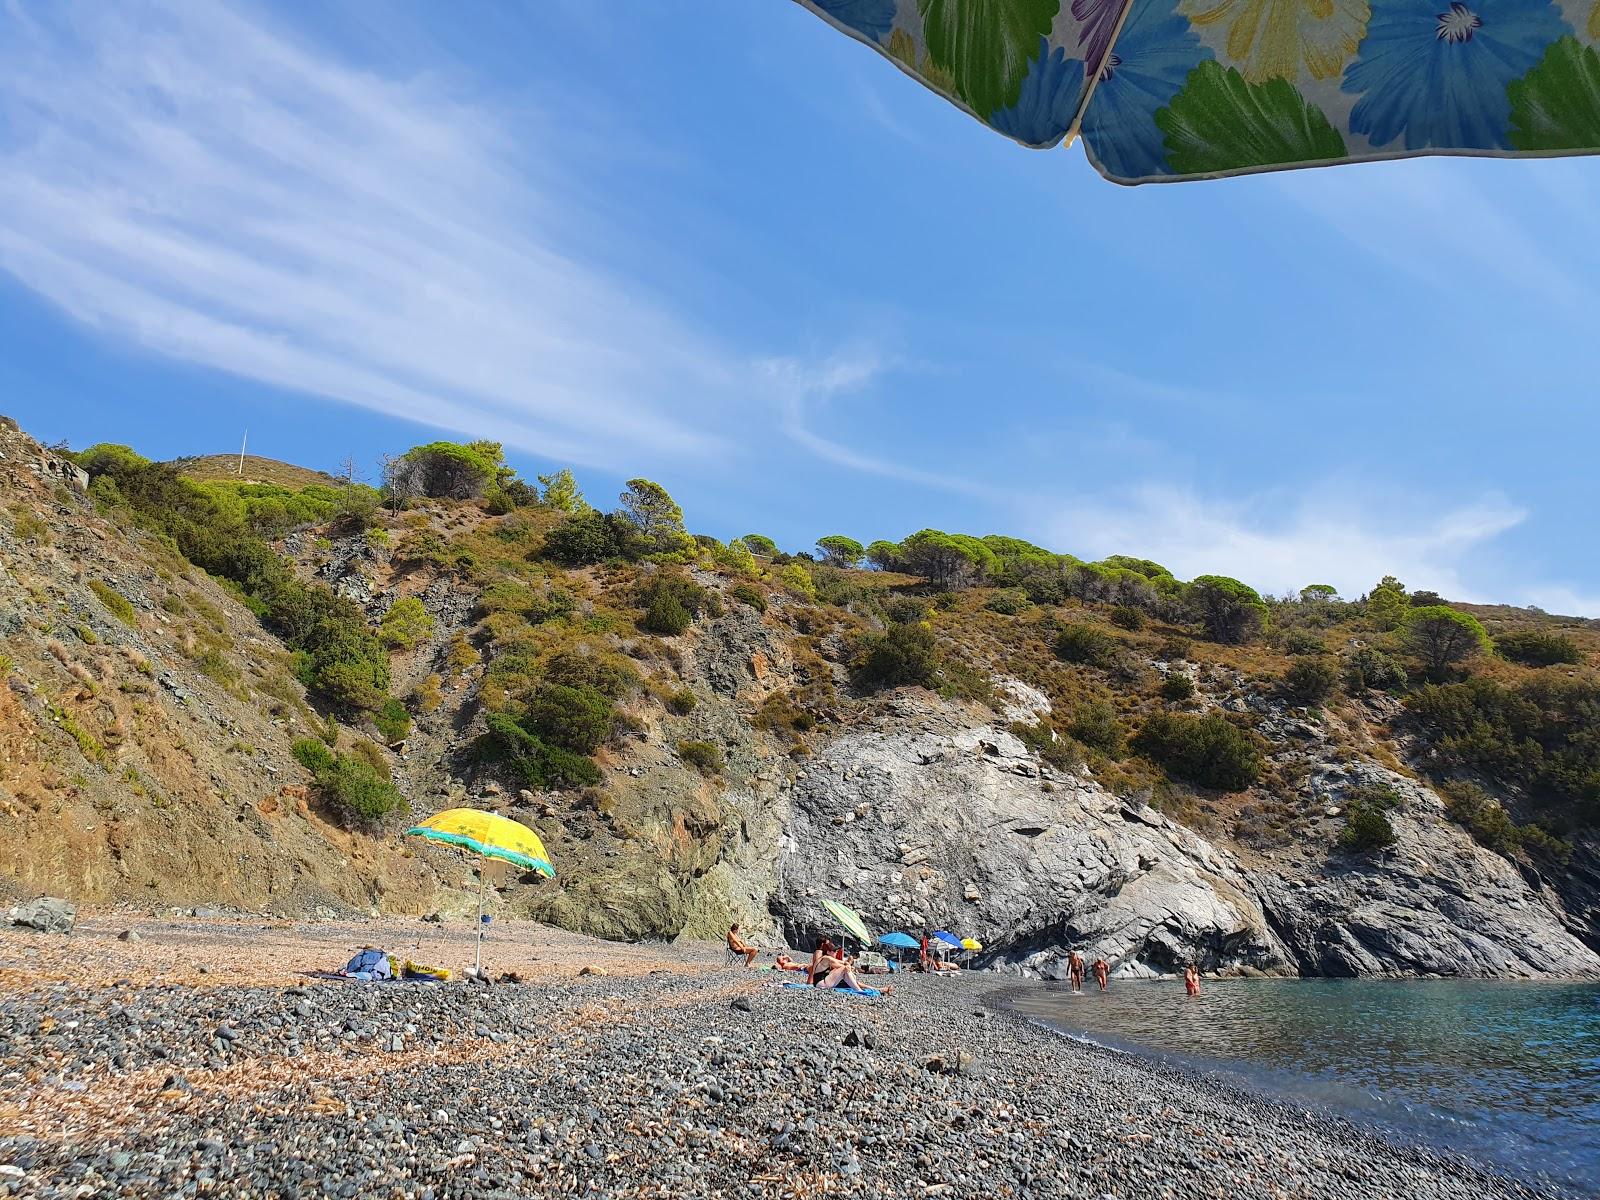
1164	90
900	941
948	938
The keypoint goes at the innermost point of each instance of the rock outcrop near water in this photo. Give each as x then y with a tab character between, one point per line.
931	821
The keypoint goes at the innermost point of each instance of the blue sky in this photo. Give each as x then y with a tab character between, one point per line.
722	246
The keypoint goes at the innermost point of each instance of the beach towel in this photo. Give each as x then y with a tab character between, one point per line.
806	987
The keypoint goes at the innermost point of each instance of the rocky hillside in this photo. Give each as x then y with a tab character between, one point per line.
1034	751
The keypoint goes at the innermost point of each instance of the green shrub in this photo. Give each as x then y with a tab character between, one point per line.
1369	668
703	756
1095	725
572	718
358	792
1302	641
313	755
585	539
1087	645
353	685
613	678
1311	680
356	787
1043	740
173	604
1232	612
370	754
214	665
1126	616
749	593
798	581
1442	637
671	602
666	616
840	551
1207	751
1177	686
405	624
450	470
1492	827
1008	602
905	610
30	527
904	655
1537	648
118	605
1366	823
682	702
393	722
534	761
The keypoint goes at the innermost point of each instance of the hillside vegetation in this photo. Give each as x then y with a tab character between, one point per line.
458	631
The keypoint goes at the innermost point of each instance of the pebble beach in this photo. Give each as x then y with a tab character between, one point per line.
195	1057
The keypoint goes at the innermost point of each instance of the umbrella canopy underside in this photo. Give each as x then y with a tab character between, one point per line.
1170	90
850	920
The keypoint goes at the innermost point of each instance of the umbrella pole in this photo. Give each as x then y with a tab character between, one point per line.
478	961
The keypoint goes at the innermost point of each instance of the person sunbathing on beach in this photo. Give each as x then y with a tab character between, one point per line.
739	946
785	963
842	976
1102	972
1191	980
823	960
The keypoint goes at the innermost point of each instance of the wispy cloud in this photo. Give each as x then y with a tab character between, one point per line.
188	180
1428	219
798	388
1280	544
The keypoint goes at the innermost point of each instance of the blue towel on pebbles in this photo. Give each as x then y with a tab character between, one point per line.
806	987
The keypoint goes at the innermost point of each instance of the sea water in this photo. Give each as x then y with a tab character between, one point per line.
1504	1072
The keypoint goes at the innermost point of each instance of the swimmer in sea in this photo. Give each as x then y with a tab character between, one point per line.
1075	968
1102	972
1191	980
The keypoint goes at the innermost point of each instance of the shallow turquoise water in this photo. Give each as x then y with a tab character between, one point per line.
1508	1073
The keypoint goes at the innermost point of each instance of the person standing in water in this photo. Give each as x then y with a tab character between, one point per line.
1075	969
1102	972
1191	980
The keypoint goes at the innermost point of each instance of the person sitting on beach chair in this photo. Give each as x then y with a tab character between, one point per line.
737	946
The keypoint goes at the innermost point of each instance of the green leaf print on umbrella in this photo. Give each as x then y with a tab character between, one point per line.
1556	106
986	45
1218	123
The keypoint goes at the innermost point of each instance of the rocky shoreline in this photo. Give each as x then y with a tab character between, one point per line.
659	1072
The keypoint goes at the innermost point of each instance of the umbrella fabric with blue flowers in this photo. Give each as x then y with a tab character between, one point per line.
1167	90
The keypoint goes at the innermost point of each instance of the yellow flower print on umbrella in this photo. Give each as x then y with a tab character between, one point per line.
1274	39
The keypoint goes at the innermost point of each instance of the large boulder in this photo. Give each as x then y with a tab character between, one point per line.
937	821
46	914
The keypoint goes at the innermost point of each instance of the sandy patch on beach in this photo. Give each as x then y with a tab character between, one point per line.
201	952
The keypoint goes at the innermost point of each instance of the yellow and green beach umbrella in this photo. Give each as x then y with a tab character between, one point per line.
488	835
850	920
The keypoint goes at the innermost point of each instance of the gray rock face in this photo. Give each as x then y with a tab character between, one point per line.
934	821
1435	903
905	825
46	914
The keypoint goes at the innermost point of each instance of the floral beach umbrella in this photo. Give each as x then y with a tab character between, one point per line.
490	836
1168	90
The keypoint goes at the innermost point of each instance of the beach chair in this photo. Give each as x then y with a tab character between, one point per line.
871	963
